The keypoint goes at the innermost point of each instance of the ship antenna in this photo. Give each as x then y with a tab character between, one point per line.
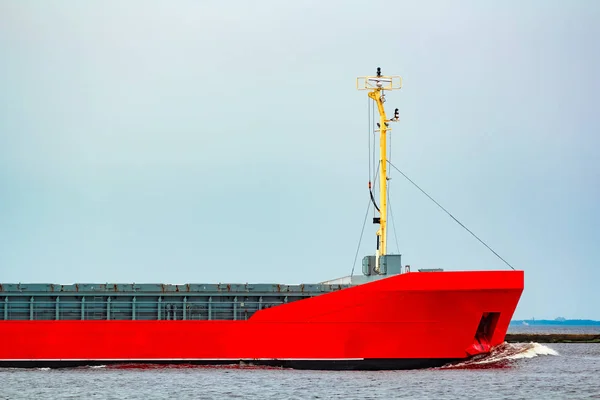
376	86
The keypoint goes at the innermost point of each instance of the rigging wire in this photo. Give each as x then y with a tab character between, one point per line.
373	131
389	202
393	223
389	132
361	236
369	134
451	216
371	193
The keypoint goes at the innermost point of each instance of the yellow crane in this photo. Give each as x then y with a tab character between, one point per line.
376	87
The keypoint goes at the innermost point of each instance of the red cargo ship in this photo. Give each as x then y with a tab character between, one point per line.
386	318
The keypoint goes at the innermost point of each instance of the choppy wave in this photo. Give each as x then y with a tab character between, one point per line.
504	356
233	366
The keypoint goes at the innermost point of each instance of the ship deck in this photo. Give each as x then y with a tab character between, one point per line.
94	301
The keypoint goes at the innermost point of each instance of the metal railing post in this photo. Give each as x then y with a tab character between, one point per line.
108	308
133	308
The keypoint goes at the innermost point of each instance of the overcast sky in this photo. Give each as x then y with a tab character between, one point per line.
217	141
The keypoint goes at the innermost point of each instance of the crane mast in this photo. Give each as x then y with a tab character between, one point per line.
376	87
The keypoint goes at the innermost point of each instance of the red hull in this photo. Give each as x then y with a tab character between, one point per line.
430	317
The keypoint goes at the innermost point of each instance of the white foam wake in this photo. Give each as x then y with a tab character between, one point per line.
504	355
531	350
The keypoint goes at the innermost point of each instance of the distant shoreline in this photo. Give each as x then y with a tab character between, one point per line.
554	322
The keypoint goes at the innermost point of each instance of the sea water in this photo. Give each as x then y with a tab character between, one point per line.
511	371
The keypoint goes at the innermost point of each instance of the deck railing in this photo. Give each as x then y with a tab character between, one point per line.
90	307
